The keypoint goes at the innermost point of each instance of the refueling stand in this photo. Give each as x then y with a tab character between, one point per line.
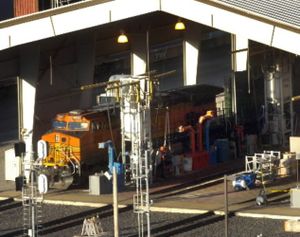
134	95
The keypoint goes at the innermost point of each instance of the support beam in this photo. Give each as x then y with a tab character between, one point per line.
86	66
29	69
239	63
138	57
191	45
239	46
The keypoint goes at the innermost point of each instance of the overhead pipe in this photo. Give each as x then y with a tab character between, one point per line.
191	132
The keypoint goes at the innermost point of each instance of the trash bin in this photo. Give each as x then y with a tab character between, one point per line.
99	184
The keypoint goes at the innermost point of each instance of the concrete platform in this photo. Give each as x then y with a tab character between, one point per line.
194	193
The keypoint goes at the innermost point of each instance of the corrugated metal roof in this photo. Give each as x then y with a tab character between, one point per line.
286	11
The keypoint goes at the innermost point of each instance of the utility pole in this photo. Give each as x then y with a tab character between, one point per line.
115	201
226	205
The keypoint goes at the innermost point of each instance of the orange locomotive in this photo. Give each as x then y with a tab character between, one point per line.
70	148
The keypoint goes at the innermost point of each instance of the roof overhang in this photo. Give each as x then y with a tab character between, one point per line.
91	13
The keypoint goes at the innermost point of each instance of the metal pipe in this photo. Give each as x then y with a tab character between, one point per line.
191	132
20	107
115	201
226	205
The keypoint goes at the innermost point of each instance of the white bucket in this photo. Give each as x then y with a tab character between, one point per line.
187	164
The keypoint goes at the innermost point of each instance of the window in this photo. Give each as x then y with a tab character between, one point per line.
59	125
78	126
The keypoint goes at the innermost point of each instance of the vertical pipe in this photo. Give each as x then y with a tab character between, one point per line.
233	81
50	70
115	201
234	98
32	204
20	113
297	172
148	54
147	194
226	205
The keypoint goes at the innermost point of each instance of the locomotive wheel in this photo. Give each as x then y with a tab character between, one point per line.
63	183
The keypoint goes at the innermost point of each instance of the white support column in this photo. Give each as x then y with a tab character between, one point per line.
239	53
239	63
29	72
191	46
138	55
86	67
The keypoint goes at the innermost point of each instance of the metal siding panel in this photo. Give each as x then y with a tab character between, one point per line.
287	11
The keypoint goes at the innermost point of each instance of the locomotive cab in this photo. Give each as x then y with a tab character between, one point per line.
70	148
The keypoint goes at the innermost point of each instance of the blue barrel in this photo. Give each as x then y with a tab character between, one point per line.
222	150
213	155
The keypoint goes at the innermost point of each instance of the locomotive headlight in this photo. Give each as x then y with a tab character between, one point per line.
42	148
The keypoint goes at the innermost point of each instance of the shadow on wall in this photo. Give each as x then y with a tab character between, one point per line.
9	113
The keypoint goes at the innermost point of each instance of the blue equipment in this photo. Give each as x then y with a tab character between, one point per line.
111	162
244	181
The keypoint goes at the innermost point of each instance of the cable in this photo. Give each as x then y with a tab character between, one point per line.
110	128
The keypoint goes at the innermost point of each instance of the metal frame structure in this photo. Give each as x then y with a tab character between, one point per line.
134	95
264	164
32	201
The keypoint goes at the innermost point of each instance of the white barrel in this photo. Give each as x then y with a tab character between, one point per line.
187	164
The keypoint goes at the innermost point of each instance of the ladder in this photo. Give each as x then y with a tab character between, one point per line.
32	210
92	227
134	94
32	201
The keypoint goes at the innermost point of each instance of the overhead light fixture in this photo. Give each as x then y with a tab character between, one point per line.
122	38
179	25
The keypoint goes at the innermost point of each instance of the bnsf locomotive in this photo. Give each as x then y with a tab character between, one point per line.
70	148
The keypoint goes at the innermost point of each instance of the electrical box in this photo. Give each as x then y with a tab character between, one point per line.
295	197
13	165
99	184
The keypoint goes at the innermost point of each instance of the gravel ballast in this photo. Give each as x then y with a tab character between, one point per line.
67	221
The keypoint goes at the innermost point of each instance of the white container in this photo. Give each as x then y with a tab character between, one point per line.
287	165
187	164
251	144
13	165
